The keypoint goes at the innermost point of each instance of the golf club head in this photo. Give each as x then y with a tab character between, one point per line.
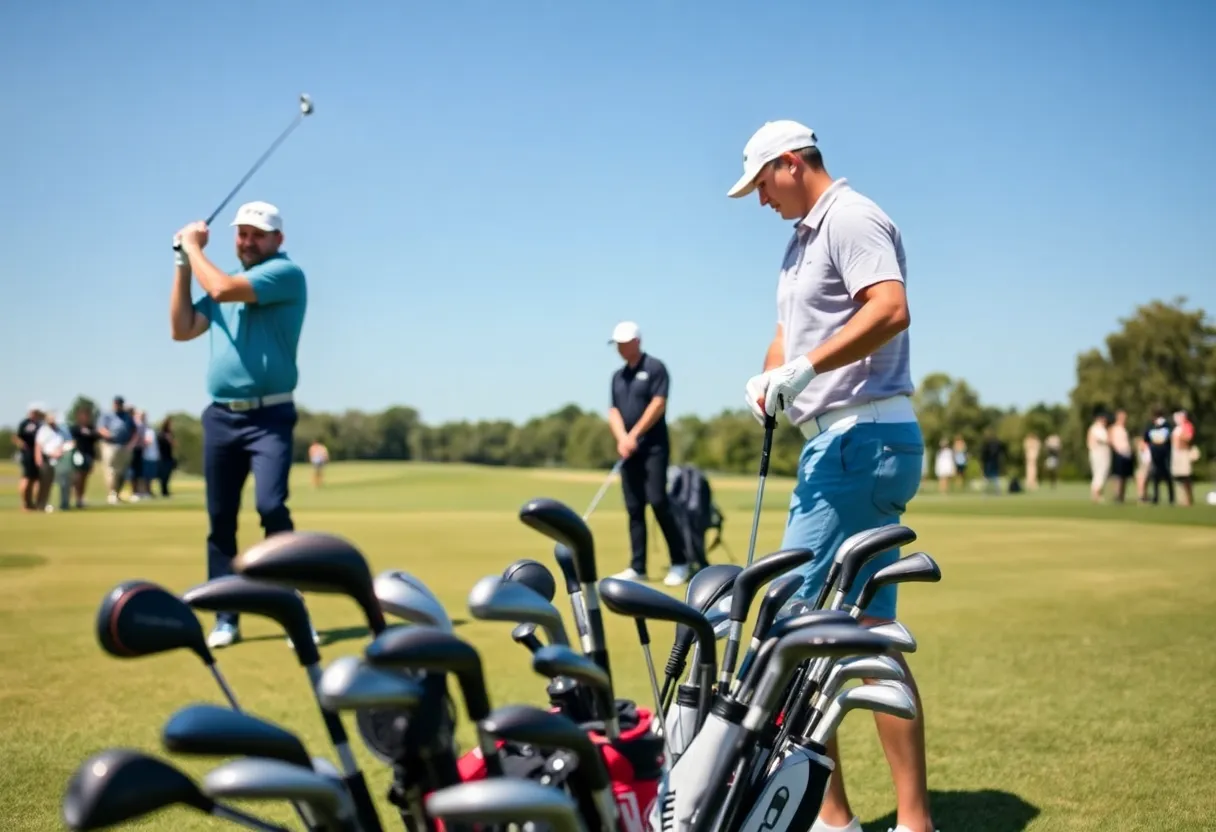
901	640
257	778
562	524
779	592
209	730
754	662
141	618
565	562
238	593
556	660
635	600
504	800
549	731
821	640
894	698
534	575
314	562
859	549
349	683
760	572
918	567
432	649
306	107
710	584
883	668
121	784
402	595
525	634
495	599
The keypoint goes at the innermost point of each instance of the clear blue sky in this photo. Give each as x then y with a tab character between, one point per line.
487	188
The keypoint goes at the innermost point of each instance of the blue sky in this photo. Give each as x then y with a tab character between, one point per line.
487	188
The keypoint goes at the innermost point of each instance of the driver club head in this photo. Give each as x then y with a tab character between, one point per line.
404	596
120	784
534	575
141	618
209	730
241	594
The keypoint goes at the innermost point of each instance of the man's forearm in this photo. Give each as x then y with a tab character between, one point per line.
649	416
616	424
210	276
181	307
775	356
872	326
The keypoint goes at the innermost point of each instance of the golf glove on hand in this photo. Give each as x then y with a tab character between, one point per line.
778	387
179	256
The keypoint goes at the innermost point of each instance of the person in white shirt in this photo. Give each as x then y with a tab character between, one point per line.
944	466
151	459
1097	440
53	453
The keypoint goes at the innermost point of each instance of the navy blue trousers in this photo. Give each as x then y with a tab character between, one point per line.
235	445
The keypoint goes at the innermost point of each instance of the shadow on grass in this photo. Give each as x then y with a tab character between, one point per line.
987	809
341	633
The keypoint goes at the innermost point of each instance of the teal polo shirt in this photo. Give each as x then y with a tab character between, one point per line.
254	345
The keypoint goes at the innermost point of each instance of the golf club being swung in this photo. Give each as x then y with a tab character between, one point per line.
306	109
599	495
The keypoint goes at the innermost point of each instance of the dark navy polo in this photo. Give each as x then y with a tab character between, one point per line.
632	390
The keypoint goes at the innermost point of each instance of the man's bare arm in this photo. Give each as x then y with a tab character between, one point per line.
220	287
883	315
775	356
184	320
617	424
649	416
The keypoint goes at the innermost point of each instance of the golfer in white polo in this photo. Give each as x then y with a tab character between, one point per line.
838	368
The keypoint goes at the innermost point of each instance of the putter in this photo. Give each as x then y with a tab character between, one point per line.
286	608
139	618
404	596
119	785
306	109
505	801
254	778
495	599
770	425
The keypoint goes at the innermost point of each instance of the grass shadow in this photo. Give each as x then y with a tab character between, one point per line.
988	809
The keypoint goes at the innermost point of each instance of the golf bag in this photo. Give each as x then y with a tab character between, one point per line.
692	502
634	763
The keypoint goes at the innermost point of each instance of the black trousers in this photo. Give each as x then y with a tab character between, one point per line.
643	481
234	446
1161	474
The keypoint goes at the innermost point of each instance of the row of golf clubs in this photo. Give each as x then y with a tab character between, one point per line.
326	564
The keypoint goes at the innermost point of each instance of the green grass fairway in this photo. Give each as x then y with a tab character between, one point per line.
1064	657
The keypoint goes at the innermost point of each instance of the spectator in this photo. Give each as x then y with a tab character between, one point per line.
166	444
1159	435
27	430
52	448
1031	446
84	435
151	460
943	466
139	485
960	461
318	455
1144	464
992	459
1123	466
1182	455
1097	441
1051	458
117	432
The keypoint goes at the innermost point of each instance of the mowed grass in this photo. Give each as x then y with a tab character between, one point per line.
1065	658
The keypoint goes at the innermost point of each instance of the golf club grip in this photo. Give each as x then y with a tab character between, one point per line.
365	809
770	425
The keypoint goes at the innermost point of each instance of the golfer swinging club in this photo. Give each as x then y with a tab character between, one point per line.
838	366
254	318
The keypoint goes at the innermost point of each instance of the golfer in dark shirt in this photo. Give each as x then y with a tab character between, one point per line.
1158	435
639	425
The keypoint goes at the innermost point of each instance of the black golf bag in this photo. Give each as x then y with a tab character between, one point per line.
692	503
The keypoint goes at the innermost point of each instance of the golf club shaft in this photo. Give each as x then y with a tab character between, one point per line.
770	424
356	784
223	683
599	495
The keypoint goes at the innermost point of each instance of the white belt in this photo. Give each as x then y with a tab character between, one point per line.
891	410
240	405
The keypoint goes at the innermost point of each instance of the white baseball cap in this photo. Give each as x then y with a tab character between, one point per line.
261	215
624	332
766	144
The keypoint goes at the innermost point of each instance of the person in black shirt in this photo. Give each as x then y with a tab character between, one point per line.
84	434
167	444
27	486
1159	436
992	459
639	425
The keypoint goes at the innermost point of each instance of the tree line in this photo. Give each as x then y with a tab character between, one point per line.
1164	355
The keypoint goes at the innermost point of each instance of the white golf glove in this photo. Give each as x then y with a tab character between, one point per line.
179	256
778	387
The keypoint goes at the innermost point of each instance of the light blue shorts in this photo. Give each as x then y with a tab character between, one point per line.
849	481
